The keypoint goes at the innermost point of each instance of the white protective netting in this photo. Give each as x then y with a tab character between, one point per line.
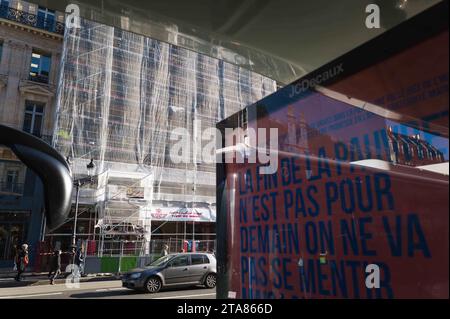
119	97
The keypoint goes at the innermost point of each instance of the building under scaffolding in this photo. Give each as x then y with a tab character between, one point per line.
120	98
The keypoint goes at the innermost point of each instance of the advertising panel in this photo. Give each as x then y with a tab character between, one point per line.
358	204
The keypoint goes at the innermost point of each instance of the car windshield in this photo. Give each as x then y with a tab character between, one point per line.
160	261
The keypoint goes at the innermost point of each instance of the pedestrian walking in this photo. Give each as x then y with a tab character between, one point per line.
55	266
16	256
79	260
165	251
22	261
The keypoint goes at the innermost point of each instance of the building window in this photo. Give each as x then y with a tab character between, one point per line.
34	114
4	5
12	179
1	50
40	67
46	19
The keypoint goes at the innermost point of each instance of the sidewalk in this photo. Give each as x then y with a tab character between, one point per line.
36	279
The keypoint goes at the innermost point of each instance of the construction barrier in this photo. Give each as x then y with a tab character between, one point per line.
120	256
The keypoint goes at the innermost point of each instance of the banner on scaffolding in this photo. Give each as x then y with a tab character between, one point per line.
197	214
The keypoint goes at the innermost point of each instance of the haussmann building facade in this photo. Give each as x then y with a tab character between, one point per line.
110	97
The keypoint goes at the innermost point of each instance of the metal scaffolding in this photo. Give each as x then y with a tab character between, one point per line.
120	97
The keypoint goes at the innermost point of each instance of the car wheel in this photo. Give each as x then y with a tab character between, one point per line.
152	285
210	281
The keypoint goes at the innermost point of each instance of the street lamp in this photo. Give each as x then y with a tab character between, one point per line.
79	183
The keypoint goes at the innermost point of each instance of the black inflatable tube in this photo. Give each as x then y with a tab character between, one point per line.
49	165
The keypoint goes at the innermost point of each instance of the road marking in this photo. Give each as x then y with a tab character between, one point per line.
30	296
109	289
185	296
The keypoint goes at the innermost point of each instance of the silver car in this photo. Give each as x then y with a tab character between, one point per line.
184	269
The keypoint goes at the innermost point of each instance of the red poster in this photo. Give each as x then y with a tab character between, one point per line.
360	190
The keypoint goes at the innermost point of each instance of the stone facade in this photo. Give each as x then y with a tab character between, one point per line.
21	217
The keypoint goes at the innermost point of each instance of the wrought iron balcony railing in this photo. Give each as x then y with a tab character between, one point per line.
47	138
48	24
38	78
11	188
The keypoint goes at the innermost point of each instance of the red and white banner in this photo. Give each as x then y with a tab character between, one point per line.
197	214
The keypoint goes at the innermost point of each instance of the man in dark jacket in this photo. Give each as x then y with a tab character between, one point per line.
55	266
79	260
21	261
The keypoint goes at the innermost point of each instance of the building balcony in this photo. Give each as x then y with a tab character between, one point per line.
9	188
50	25
47	138
38	78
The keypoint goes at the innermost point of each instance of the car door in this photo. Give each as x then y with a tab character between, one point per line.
177	270
198	267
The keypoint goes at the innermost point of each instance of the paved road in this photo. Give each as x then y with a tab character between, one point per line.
101	289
